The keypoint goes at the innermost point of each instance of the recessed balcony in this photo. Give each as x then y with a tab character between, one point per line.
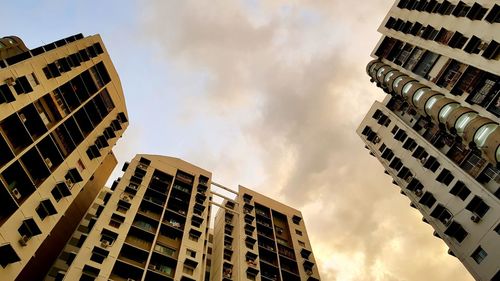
15	132
18	182
133	255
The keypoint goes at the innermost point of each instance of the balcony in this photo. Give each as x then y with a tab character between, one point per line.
150	210
286	252
182	189
123	270
133	256
137	242
262	214
184	177
227	272
266	244
147	226
174	224
263	223
155	200
166	251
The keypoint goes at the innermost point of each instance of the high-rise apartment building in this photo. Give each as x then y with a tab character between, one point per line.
154	224
61	111
258	238
436	132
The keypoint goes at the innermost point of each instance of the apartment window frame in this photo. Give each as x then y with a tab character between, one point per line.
460	190
479	255
477	206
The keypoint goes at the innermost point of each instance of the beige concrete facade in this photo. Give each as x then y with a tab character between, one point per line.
61	111
153	226
437	132
258	238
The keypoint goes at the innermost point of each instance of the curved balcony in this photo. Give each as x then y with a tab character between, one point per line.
475	131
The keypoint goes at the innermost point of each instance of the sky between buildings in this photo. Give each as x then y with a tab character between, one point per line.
266	94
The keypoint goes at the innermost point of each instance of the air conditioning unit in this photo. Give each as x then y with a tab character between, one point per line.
105	243
376	140
16	193
126	198
24	240
48	162
475	218
23	118
483	46
446	221
418	192
10	81
69	183
130	279
423	160
309	272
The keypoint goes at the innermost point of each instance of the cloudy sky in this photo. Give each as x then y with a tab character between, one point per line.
267	94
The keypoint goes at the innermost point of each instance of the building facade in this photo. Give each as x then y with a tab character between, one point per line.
258	238
437	131
61	111
154	224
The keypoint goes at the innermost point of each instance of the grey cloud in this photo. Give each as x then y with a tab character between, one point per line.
298	71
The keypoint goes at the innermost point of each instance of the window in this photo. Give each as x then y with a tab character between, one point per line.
460	190
302	244
395	129
409	144
108	237
420	153
479	255
477	206
45	209
387	154
396	164
29	228
89	273
116	220
191	253
298	232
400	135
427	199
98	254
445	177
188	270
497	229
296	219
494	14
193	237
431	163
442	214
456	231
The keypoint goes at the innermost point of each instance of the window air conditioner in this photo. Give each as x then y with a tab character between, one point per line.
69	183
423	160
475	218
22	117
126	198
446	221
10	81
105	244
48	162
483	46
16	193
24	240
418	192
